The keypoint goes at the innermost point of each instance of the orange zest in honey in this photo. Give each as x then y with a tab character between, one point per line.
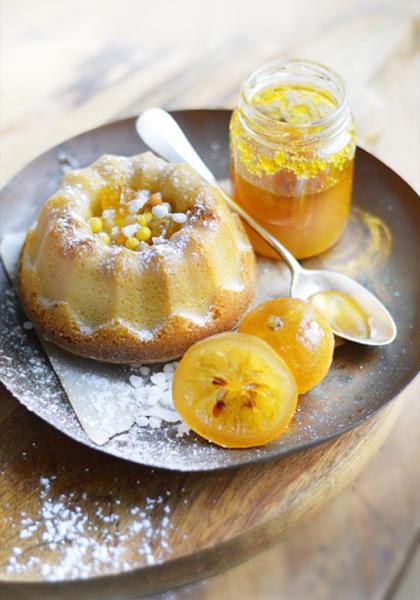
294	104
295	179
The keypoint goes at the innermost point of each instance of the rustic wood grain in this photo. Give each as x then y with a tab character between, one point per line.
354	547
217	519
66	68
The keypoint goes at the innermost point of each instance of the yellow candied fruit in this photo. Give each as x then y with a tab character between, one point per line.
234	390
143	234
96	225
299	333
155	199
120	222
132	243
144	219
104	237
120	238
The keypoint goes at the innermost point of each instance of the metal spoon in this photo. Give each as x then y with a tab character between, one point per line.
163	135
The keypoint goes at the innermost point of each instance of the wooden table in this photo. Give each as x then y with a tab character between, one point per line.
68	67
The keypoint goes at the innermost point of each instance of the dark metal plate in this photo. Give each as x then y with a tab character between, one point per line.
380	248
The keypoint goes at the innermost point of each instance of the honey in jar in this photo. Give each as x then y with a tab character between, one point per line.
292	152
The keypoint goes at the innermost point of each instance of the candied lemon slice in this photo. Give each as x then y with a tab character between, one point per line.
299	333
234	390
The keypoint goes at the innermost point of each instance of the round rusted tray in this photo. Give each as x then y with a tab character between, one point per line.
380	248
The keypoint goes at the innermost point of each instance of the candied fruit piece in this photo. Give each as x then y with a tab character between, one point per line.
234	390
144	219
143	234
132	243
155	199
95	224
104	237
299	333
119	238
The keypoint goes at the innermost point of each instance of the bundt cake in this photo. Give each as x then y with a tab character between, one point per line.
133	260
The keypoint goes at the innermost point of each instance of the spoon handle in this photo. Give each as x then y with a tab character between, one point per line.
288	258
159	130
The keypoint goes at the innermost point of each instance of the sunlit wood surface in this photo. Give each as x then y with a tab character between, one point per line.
69	66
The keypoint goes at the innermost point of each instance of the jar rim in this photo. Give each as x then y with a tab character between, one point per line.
291	67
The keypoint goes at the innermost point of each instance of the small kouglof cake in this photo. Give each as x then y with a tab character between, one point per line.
133	260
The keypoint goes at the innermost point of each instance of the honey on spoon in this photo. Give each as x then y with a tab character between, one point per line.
343	313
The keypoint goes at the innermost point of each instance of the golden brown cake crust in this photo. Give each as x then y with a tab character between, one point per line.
115	340
115	343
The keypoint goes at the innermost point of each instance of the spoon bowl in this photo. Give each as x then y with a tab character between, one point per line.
308	282
163	135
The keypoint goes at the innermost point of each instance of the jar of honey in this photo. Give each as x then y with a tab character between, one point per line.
292	147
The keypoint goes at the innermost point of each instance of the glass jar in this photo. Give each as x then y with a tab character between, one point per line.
292	147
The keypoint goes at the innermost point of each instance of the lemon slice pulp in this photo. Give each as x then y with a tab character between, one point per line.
234	390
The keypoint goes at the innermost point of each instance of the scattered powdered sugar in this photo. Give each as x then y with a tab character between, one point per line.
110	399
67	161
62	540
154	397
159	240
310	333
24	367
